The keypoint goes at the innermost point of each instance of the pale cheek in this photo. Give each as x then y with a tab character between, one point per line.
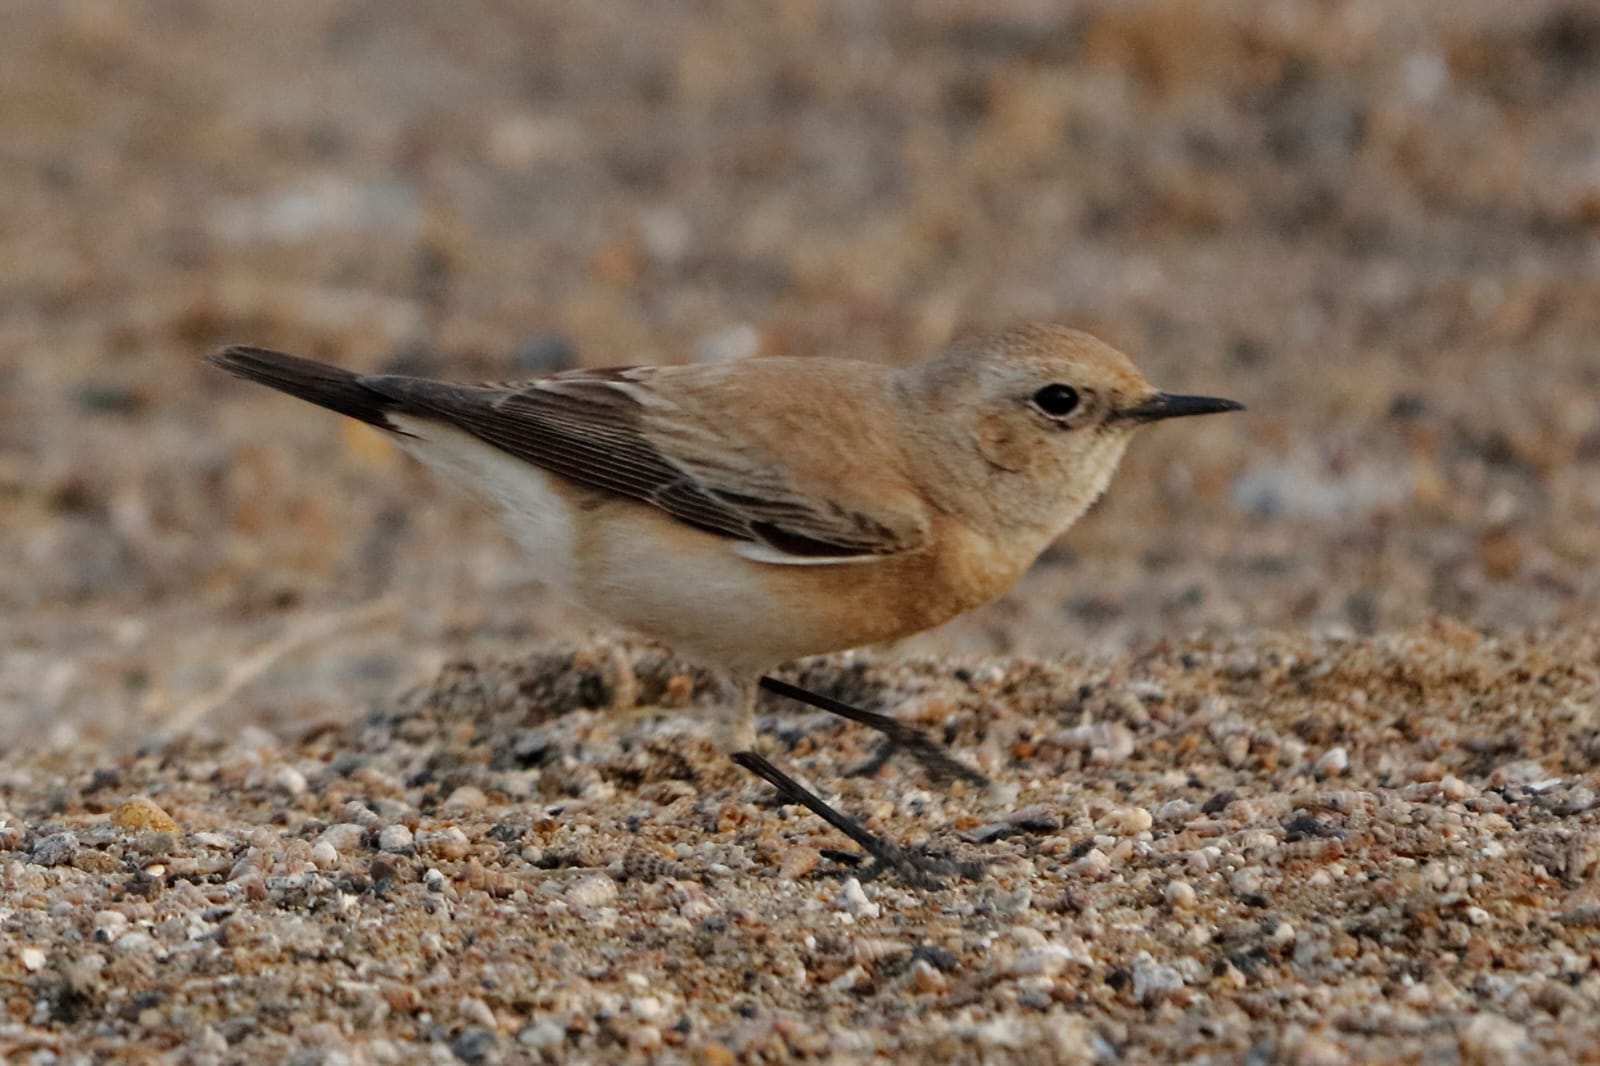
1093	469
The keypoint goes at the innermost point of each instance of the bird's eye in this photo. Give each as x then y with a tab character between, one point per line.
1057	401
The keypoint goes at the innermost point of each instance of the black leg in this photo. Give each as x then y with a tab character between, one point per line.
939	764
921	871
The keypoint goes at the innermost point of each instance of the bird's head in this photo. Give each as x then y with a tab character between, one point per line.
1041	415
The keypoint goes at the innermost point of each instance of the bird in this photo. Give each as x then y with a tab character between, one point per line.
750	513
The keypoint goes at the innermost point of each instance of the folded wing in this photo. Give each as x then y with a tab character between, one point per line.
612	431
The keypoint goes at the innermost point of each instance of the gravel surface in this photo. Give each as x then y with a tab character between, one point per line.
1386	848
1293	738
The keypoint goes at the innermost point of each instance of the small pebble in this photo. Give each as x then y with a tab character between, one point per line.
1094	865
450	843
343	837
1037	818
648	1008
476	1011
869	951
592	891
543	1035
289	780
395	839
990	832
1247	881
361	815
1129	821
927	980
139	813
1015	902
1046	961
851	979
1179	895
1319	1049
108	925
1153	981
799	861
135	941
1176	812
716	1053
853	900
466	798
1332	763
476	1046
1493	1040
644	1038
1027	937
57	849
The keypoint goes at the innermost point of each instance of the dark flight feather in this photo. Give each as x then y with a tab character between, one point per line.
588	427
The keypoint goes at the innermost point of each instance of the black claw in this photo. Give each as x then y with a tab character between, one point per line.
922	870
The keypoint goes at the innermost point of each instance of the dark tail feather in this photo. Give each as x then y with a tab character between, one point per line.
326	386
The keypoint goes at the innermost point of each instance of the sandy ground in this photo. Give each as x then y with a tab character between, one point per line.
1293	737
1376	848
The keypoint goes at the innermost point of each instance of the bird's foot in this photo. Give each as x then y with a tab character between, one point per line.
940	766
935	760
914	866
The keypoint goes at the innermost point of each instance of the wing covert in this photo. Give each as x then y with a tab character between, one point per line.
610	430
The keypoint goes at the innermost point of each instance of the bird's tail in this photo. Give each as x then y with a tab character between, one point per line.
326	386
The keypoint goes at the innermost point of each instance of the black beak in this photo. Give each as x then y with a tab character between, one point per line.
1166	405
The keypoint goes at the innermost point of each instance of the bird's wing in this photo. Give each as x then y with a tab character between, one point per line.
616	431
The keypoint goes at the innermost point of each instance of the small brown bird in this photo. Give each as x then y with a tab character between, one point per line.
755	512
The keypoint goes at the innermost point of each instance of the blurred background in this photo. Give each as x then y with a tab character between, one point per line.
1375	222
